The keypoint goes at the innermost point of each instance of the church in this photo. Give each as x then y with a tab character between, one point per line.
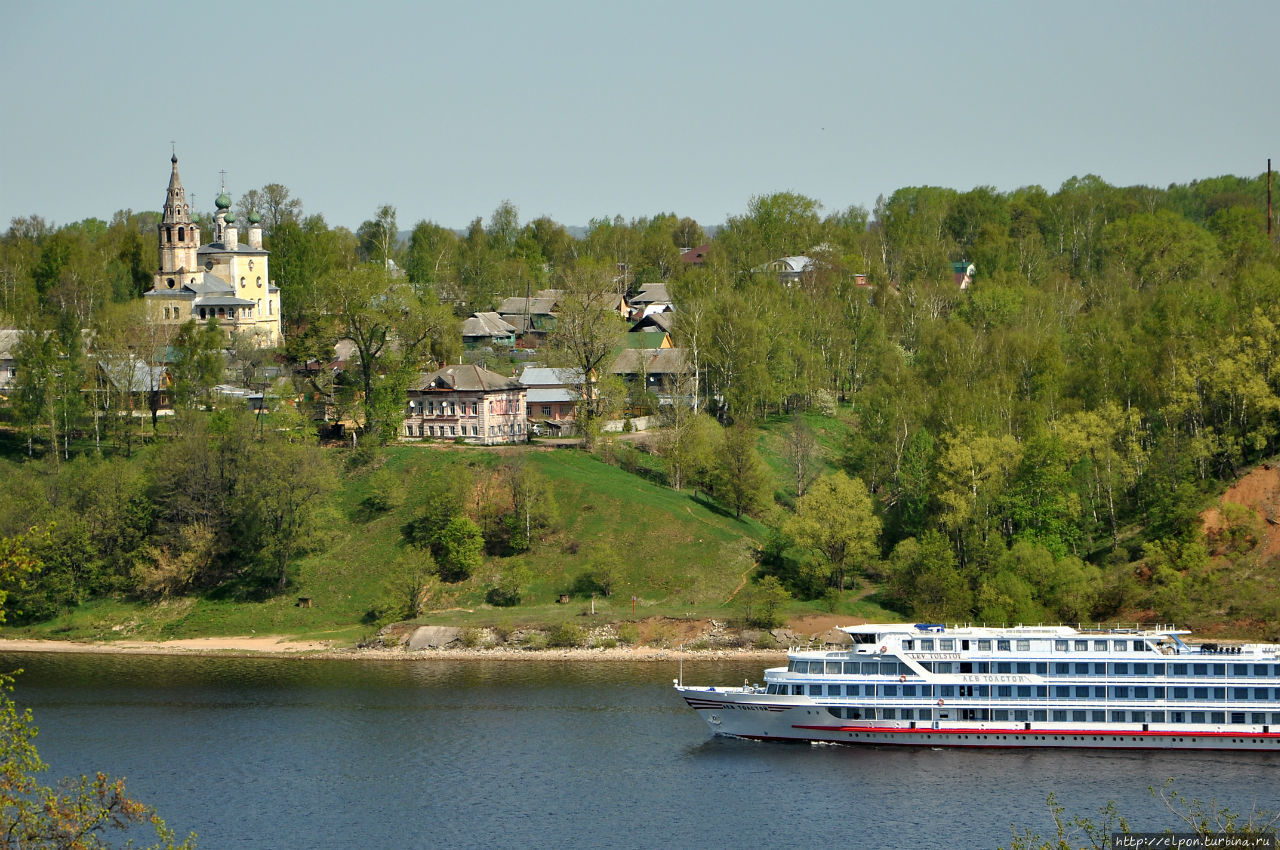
225	279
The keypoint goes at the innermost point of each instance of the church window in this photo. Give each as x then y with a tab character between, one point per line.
202	315
170	282
222	313
259	305
242	283
168	234
182	234
259	279
251	266
271	308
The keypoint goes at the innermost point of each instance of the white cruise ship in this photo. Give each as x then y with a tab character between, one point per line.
1029	686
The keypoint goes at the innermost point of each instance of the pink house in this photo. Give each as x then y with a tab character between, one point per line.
466	403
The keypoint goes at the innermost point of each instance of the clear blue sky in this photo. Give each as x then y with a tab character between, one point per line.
581	110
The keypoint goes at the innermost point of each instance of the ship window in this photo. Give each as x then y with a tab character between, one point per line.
1239	693
1024	691
1199	669
1059	716
947	644
833	668
1100	669
797	690
1217	717
1082	691
947	690
1120	692
926	644
1098	716
771	689
1042	668
1020	714
907	644
1180	693
1260	669
1262	693
1139	669
984	646
1062	691
1177	717
1258	717
1082	669
1060	646
1081	646
907	714
1219	669
1062	669
815	690
908	690
1157	717
1158	669
850	668
1004	666
1139	645
793	667
889	690
1119	645
1178	670
1024	646
943	666
1099	646
1200	693
888	714
1140	692
1024	666
1004	691
1219	693
833	690
1239	669
1040	714
1077	716
1000	714
1002	646
1117	717
1120	669
852	690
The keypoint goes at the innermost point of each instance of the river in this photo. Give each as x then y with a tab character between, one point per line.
303	753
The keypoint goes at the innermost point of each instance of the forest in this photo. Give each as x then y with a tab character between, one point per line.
1036	446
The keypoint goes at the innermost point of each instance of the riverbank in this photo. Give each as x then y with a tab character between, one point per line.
283	647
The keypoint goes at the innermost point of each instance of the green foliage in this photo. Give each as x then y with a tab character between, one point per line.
460	548
508	590
566	636
835	521
762	602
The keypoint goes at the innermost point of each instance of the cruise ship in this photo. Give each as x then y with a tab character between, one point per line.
936	685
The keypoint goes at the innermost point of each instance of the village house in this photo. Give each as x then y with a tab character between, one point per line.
482	330
466	403
9	338
663	372
552	397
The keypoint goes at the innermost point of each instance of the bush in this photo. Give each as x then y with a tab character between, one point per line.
765	640
628	633
471	637
566	635
606	643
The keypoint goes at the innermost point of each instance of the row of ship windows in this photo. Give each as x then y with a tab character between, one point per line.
1039	668
1056	716
1075	692
1023	645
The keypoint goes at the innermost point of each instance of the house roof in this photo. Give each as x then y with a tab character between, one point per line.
470	378
547	395
546	376
539	305
487	324
133	375
651	361
9	338
696	256
655	321
652	293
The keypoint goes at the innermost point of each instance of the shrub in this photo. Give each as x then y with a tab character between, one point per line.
471	637
628	633
606	643
566	635
765	640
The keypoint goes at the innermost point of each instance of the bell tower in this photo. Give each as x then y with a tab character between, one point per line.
179	238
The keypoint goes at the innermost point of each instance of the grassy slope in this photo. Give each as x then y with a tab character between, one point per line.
677	554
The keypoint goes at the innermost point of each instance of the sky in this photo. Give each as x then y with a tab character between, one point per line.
582	110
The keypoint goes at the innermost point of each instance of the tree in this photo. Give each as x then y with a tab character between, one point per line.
396	331
533	505
835	521
273	203
587	332
800	450
197	364
761	602
459	548
739	473
379	239
288	483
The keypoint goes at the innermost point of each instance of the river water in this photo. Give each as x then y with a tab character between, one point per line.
302	753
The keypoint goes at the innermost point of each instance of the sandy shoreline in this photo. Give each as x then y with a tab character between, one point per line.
267	646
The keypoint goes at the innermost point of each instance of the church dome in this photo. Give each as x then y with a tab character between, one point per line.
254	218
230	218
223	201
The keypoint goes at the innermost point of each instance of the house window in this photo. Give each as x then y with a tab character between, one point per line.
259	279
546	410
242	284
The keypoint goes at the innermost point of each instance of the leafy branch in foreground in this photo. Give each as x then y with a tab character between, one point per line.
1202	818
77	814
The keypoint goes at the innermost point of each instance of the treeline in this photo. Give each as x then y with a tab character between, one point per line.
1023	443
